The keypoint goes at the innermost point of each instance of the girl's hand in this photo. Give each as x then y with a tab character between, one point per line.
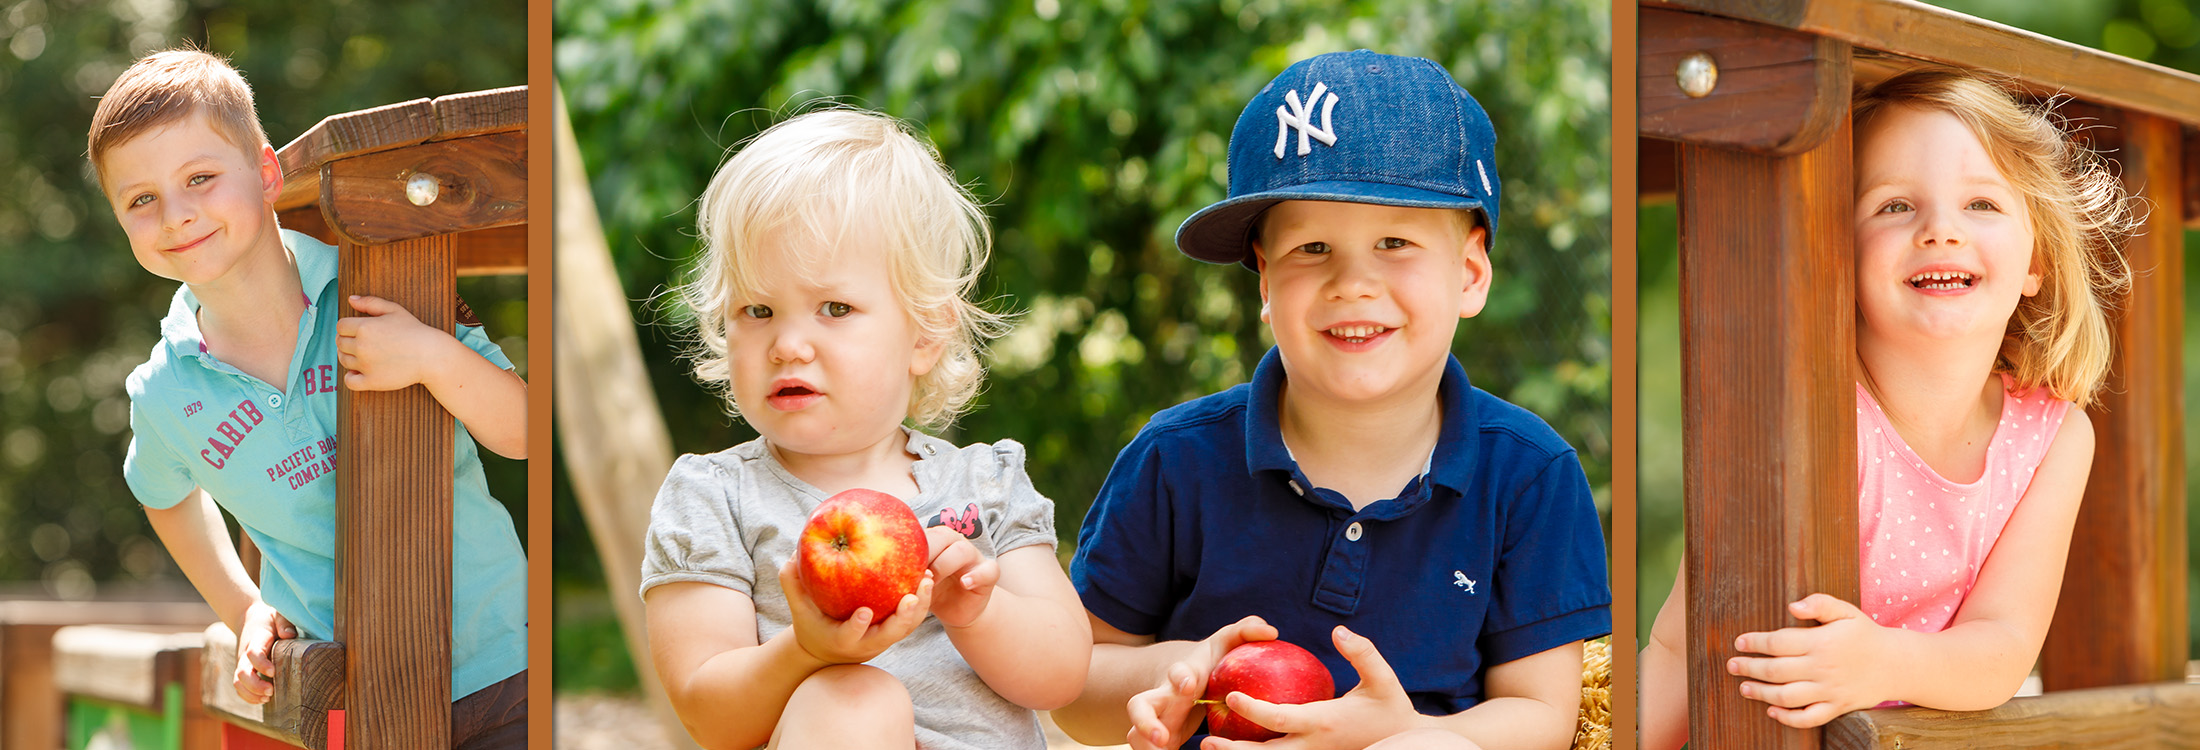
387	348
856	639
969	577
1811	675
1163	717
1372	711
263	626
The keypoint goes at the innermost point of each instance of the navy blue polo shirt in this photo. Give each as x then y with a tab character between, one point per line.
1494	554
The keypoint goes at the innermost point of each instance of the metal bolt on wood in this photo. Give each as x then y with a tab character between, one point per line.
1697	75
422	189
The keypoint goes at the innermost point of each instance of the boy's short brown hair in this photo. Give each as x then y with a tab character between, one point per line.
164	87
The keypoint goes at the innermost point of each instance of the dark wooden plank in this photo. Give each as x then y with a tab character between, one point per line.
309	679
393	527
479	183
124	664
383	128
2191	219
496	251
481	112
2132	717
1777	91
1768	317
1917	30
1657	162
2121	618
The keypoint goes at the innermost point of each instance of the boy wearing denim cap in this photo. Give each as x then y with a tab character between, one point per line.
1358	492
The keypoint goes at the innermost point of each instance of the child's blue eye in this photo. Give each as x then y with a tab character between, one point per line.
757	311
835	309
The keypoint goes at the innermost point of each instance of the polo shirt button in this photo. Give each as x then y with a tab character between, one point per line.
275	400
1352	533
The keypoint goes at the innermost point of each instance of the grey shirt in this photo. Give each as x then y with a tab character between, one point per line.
731	519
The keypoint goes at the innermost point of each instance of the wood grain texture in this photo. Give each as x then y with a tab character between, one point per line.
122	664
2134	717
483	184
393	522
201	728
2191	218
309	679
2121	618
1917	30
1768	316
498	251
392	126
29	699
1778	92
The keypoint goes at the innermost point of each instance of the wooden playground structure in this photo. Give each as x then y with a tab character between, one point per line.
413	195
1744	122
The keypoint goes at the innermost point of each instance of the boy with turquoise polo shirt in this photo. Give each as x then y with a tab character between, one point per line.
1435	546
237	404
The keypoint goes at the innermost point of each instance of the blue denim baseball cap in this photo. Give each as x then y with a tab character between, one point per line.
1358	127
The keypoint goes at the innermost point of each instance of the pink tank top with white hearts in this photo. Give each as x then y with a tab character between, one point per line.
1924	538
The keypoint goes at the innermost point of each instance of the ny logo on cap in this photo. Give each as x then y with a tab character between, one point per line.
1295	116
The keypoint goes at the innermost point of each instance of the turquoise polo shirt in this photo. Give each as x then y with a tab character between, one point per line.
267	455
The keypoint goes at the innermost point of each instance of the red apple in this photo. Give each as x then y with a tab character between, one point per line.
861	548
1272	671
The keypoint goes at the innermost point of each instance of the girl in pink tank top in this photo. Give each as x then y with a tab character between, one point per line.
1984	263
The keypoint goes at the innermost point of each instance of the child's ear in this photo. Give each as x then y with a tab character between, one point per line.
271	174
1476	258
1260	265
928	352
2034	277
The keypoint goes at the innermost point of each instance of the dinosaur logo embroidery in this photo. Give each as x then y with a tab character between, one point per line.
1459	578
966	524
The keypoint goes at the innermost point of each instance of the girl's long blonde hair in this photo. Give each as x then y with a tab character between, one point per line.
2058	339
825	173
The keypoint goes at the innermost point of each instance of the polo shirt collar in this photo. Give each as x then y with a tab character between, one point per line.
316	271
1457	440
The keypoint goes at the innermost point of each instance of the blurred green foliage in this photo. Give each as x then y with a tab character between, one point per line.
77	313
1092	129
2165	32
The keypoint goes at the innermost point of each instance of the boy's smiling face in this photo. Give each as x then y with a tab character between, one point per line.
192	202
1364	298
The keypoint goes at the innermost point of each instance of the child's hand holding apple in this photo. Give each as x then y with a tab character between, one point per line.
966	577
861	636
1375	709
1161	718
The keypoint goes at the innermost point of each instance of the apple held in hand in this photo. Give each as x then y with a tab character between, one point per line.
861	548
1272	671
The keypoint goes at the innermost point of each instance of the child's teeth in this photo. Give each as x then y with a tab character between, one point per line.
1355	332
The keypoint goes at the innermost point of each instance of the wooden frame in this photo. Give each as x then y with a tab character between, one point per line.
356	180
1760	173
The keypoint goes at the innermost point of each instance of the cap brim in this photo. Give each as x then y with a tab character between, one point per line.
1222	233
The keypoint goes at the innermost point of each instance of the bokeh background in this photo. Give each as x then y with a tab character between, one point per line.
76	311
2166	32
1091	130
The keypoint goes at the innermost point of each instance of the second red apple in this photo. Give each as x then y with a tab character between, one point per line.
861	548
1272	671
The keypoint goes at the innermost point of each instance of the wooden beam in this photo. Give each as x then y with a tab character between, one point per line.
1769	462
2122	618
309	682
1914	29
1770	91
479	183
393	126
2191	218
498	251
2132	717
393	524
122	664
29	699
1657	162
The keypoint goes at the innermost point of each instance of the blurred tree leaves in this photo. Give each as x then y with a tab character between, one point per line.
77	313
1093	129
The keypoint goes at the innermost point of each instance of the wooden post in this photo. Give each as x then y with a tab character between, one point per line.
1768	311
2121	618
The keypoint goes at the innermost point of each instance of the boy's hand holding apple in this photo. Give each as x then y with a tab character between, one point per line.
1375	709
1162	717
